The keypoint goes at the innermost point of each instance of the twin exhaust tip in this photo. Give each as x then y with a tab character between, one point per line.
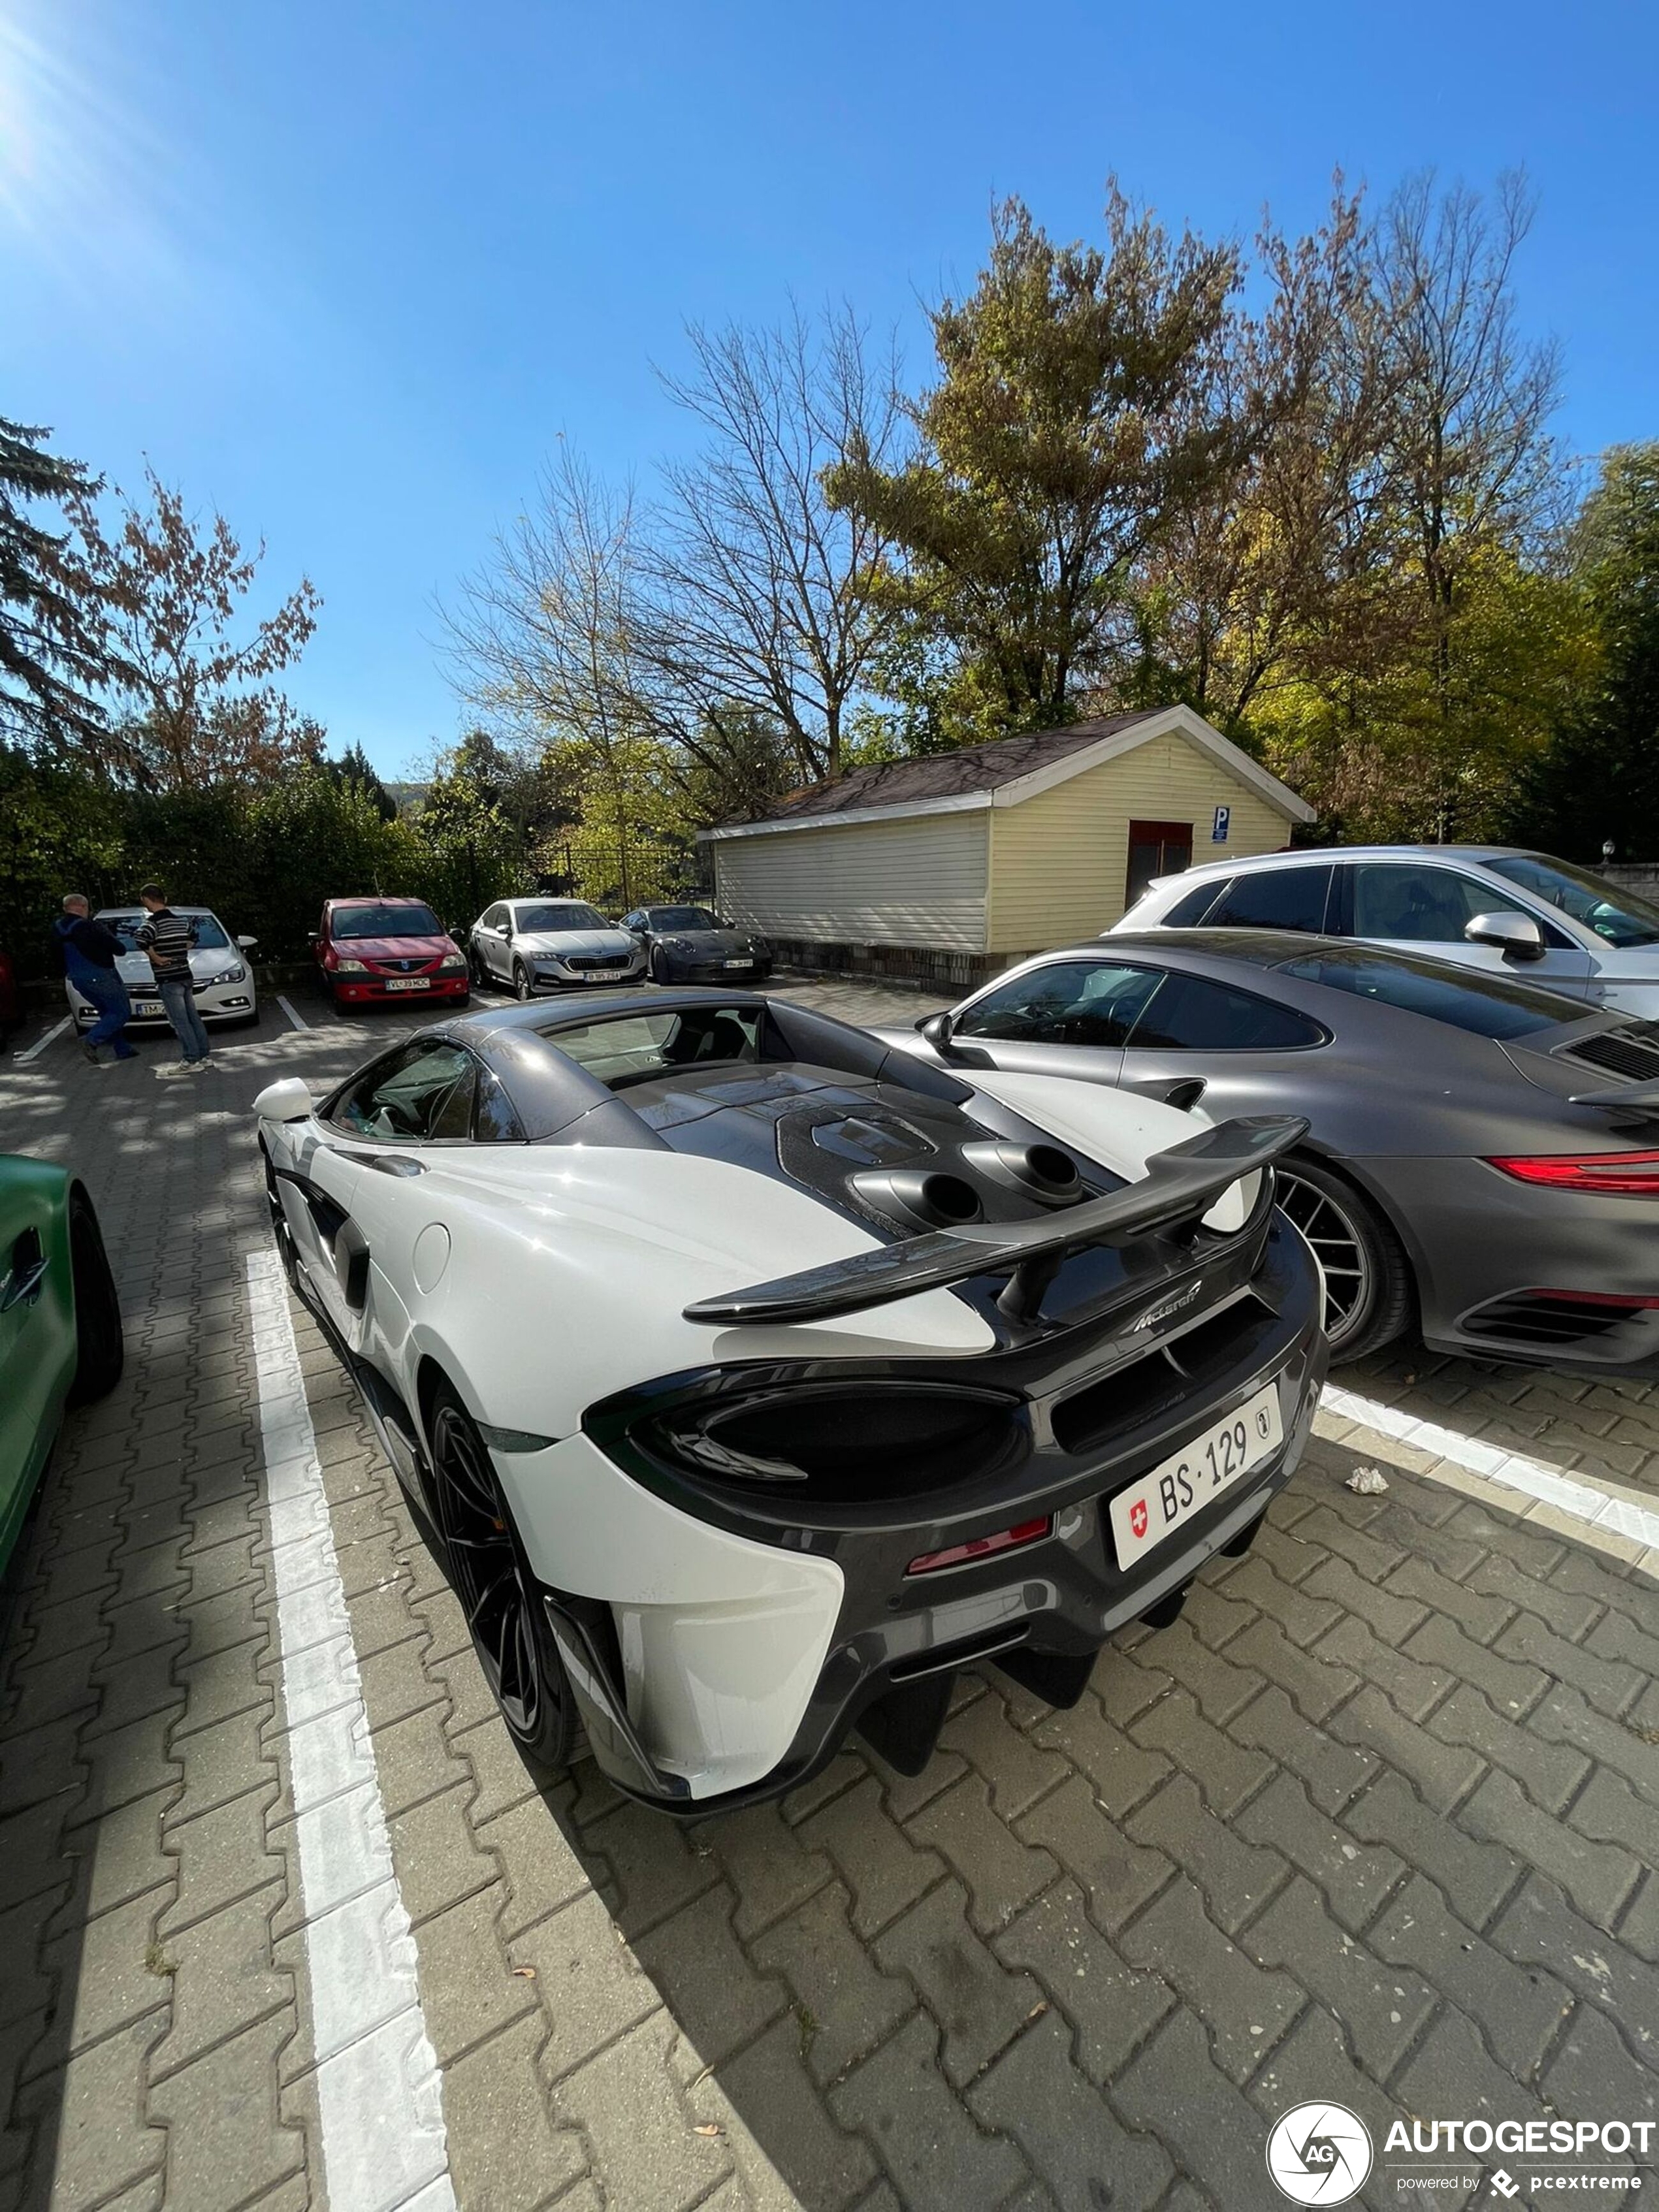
934	1198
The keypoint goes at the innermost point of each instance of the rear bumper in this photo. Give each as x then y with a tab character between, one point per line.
1485	1244
714	1669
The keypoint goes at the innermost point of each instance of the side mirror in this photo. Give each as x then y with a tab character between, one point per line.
247	943
313	937
1516	936
936	1028
288	1100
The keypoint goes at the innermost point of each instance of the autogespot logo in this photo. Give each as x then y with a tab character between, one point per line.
1319	2154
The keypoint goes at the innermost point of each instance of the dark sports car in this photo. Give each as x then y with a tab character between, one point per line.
690	944
1481	1152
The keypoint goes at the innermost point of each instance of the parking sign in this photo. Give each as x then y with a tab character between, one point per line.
1224	815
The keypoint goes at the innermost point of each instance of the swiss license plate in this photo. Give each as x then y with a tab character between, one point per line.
409	982
1184	1484
146	1010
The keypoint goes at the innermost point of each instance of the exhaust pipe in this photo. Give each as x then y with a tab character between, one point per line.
1041	1172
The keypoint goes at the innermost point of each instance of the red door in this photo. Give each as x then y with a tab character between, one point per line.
1156	848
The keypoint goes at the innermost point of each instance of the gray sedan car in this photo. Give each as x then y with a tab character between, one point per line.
1481	1154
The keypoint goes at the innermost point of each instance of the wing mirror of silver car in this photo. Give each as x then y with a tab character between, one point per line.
288	1100
936	1029
1516	936
247	943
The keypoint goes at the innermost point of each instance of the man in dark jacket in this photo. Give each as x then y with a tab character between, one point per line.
88	953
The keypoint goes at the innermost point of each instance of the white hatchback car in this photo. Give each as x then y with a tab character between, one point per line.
221	972
1482	906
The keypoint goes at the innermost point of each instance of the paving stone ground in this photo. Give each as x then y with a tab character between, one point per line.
1377	1820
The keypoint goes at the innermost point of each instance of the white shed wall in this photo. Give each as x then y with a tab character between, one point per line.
920	882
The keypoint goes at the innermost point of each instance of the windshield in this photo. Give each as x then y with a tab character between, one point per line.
568	914
348	921
682	917
1618	917
207	934
1486	1006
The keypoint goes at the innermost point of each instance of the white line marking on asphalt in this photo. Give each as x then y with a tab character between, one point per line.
1569	1493
298	1020
40	1043
379	2090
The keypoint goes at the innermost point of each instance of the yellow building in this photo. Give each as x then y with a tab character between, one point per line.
949	868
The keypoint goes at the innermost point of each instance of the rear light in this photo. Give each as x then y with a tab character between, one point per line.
982	1547
1630	1175
845	1442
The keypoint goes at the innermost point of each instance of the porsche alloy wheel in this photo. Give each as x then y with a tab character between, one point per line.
1368	1287
498	1597
660	971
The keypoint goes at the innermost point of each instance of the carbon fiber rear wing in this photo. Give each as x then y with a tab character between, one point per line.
1180	1182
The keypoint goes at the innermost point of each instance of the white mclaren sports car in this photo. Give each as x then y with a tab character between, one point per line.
753	1376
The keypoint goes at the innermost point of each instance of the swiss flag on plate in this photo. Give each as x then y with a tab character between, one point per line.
1138	1516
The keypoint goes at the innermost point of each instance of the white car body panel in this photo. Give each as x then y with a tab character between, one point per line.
136	972
1623	978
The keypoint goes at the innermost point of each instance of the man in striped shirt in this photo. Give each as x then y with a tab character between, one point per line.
167	938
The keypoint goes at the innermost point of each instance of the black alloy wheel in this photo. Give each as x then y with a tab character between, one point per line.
523	987
1368	1281
504	1613
660	971
99	1349
481	976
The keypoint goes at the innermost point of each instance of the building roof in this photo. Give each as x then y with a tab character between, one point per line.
1003	774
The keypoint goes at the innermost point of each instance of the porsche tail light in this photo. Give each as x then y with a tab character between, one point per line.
982	1547
1625	1174
846	1442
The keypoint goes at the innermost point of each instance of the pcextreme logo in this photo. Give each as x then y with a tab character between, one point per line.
1319	2154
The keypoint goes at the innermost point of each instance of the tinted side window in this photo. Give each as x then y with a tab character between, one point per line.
423	1095
1190	1014
1191	907
1274	898
494	1121
1081	1002
1419	905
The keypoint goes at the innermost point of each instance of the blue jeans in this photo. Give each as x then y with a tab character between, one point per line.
109	994
180	1002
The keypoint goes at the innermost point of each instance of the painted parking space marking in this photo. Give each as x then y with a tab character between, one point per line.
298	1020
1599	1510
40	1043
379	2094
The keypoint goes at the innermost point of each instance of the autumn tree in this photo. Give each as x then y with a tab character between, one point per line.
1598	780
1072	420
54	657
193	675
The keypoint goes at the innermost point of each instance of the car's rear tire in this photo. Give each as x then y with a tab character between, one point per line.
1368	1288
490	1576
524	988
99	1349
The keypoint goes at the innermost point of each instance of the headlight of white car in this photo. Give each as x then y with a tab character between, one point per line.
234	973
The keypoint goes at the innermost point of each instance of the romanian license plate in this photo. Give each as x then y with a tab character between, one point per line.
409	982
146	1010
739	963
1156	1506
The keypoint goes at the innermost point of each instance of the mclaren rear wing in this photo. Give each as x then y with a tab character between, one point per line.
1178	1182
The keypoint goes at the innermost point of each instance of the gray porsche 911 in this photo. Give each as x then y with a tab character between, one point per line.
1482	1154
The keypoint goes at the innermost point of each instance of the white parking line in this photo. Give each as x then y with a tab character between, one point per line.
298	1020
40	1043
379	2094
1571	1494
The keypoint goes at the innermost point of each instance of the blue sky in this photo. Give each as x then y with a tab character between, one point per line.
347	270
